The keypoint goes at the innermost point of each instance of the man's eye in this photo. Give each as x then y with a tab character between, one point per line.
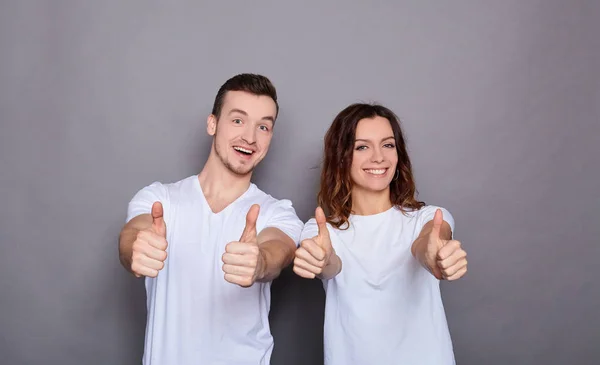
237	121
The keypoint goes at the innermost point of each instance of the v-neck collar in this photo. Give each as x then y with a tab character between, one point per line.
250	189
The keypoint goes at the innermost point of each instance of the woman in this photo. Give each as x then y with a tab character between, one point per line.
380	252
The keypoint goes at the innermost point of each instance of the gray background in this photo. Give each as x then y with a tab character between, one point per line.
500	102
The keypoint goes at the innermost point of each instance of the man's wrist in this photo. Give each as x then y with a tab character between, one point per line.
261	264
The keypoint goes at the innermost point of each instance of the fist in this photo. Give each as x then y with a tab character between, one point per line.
149	250
446	259
243	263
314	254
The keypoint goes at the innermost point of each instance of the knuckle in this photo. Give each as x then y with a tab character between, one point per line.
163	244
246	282
137	246
253	262
136	256
163	255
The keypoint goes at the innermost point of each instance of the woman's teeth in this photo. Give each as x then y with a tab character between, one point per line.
376	171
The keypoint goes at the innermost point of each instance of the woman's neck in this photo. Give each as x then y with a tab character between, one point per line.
365	202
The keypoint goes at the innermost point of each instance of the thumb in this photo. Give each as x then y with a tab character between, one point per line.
322	223
249	233
438	219
158	222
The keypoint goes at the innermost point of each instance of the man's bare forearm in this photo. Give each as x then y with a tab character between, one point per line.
276	255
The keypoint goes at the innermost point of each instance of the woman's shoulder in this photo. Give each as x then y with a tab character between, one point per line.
426	213
423	214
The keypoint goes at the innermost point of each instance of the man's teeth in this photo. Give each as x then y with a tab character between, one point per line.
376	172
243	150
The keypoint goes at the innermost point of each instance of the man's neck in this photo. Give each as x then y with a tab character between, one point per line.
366	202
220	185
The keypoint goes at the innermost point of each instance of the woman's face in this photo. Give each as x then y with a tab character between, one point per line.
375	157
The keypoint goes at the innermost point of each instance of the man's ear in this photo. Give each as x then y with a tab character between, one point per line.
211	125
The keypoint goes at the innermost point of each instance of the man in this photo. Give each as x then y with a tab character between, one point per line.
210	244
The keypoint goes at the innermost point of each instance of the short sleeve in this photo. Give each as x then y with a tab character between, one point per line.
427	213
311	229
143	200
283	217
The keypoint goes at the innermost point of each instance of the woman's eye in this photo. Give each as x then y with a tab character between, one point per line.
360	148
390	145
237	121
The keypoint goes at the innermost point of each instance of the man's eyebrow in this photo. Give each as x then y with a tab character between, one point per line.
239	111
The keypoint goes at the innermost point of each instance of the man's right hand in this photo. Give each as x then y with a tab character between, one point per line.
149	250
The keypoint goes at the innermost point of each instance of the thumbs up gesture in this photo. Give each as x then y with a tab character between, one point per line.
314	254
149	250
445	259
242	262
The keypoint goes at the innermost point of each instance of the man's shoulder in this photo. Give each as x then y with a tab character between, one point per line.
257	193
166	190
173	186
187	182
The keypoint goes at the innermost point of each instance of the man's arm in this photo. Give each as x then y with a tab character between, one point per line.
128	236
143	243
276	251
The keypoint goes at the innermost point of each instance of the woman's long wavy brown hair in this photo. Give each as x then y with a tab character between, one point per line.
335	194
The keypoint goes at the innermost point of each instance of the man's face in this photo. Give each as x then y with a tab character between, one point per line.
243	132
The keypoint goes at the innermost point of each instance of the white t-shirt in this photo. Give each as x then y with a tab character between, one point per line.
383	307
194	315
